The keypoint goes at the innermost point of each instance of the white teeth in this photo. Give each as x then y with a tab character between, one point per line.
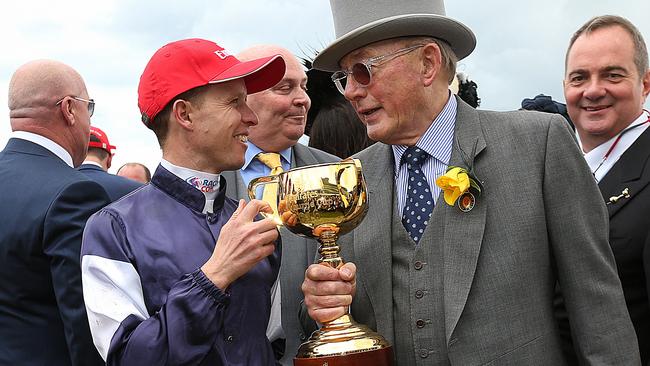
242	138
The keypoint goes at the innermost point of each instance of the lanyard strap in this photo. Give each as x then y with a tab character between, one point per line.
618	138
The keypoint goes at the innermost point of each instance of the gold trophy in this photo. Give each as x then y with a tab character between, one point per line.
324	201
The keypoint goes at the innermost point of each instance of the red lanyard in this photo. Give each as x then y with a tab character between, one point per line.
611	148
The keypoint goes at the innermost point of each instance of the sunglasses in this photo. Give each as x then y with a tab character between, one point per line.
91	103
362	71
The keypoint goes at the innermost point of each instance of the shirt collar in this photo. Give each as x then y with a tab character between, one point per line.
183	192
90	162
55	148
253	150
437	140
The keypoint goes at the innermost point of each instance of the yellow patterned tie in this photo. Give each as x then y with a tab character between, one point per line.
270	194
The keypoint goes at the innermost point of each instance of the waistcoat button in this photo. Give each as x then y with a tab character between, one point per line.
419	294
420	323
417	265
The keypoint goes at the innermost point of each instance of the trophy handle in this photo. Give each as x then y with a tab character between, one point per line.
262	181
252	186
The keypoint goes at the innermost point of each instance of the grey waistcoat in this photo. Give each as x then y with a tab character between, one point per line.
418	297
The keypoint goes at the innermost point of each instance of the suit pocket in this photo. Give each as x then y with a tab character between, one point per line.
540	350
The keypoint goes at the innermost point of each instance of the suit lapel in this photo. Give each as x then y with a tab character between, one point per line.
628	172
463	231
235	187
301	156
372	239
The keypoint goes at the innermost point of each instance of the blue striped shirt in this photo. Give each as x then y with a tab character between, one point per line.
437	141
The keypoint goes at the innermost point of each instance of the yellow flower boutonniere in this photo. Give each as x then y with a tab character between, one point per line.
460	188
459	184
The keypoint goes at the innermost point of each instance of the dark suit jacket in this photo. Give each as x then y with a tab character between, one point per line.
629	235
539	220
297	252
114	185
45	205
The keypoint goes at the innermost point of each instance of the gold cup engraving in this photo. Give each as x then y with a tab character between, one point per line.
324	201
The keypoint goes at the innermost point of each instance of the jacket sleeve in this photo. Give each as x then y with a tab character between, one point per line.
125	331
601	328
63	228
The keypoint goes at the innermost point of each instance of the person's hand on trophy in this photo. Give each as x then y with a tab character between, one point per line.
329	291
242	243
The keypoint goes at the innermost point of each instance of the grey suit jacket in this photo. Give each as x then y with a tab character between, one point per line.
297	252
540	219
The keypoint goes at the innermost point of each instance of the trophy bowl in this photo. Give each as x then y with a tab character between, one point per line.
324	201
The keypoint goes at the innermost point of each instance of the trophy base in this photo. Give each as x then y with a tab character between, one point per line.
380	357
344	342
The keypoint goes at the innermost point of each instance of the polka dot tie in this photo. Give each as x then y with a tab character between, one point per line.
419	201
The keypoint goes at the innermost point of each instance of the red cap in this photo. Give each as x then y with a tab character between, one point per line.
99	140
183	65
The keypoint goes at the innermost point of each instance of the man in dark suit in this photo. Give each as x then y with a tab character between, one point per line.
451	275
282	112
606	83
98	161
45	205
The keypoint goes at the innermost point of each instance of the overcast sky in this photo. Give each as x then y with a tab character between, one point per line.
519	54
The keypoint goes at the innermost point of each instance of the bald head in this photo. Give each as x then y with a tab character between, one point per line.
34	90
269	50
282	109
37	85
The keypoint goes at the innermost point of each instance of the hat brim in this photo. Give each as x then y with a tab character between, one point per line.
460	37
100	145
258	74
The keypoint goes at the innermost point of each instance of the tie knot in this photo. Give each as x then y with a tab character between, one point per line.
414	156
272	160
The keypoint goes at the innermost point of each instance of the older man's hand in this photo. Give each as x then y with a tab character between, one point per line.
329	291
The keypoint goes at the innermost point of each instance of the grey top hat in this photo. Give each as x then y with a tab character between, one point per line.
358	23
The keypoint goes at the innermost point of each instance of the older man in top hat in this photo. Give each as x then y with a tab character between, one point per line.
468	279
176	273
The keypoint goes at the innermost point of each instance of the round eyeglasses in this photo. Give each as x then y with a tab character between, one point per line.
91	103
362	71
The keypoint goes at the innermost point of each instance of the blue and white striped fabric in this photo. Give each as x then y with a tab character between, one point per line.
437	141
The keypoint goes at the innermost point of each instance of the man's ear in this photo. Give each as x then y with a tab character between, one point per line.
68	111
431	62
646	84
181	114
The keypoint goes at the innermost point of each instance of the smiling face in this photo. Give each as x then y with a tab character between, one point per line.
602	86
220	123
282	109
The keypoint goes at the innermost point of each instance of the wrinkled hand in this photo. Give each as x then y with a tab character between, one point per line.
329	291
242	243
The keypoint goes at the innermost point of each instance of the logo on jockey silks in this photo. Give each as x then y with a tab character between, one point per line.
203	185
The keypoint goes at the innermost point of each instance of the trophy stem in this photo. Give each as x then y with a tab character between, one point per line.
329	249
342	341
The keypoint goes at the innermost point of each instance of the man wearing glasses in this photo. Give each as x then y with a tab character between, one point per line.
468	279
45	205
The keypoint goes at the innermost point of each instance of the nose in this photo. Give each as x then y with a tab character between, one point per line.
248	116
353	91
302	99
594	89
